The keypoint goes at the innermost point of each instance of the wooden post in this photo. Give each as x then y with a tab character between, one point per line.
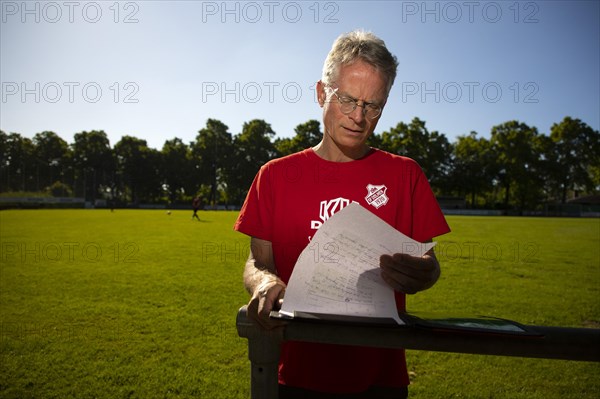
581	344
264	347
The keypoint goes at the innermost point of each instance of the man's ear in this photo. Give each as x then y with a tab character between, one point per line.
321	95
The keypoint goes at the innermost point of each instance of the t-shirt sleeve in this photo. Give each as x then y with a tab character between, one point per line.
255	217
428	218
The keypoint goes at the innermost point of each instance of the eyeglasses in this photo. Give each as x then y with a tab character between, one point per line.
349	104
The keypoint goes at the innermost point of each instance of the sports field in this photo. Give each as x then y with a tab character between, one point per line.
141	304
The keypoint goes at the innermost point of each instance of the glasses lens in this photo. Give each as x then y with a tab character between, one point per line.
372	111
348	105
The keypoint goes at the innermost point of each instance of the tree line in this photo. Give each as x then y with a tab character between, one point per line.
515	168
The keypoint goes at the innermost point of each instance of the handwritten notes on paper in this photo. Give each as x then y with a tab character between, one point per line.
338	272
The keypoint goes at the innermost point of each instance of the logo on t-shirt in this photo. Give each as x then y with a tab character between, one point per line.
376	195
328	209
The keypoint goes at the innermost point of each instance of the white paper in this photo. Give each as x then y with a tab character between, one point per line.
338	272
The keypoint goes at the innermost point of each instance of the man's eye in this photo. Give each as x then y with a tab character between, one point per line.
374	107
346	100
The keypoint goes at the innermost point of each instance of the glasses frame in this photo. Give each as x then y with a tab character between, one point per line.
346	100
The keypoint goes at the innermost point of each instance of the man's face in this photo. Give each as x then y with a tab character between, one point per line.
360	81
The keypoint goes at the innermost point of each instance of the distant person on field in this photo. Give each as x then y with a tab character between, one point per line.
281	214
196	204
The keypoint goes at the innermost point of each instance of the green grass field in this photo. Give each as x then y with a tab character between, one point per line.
142	304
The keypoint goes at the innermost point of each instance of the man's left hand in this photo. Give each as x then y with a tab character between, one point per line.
410	274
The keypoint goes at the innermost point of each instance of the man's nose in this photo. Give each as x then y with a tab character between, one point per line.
358	115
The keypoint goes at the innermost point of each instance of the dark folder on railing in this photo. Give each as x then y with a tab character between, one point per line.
431	321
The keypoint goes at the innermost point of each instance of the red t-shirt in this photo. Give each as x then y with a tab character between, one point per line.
289	200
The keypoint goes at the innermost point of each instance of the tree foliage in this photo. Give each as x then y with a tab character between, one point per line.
138	170
178	170
211	157
577	150
430	149
517	151
473	169
93	163
308	135
17	163
253	148
516	168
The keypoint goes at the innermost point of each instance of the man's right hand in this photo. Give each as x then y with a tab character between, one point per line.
267	296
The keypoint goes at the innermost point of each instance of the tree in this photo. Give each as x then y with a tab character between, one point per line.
375	141
517	148
430	149
471	166
254	147
17	168
177	171
52	156
94	164
138	169
308	135
212	156
4	162
577	150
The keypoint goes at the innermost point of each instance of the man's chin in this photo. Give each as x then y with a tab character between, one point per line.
353	138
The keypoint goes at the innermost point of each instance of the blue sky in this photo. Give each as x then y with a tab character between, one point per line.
158	70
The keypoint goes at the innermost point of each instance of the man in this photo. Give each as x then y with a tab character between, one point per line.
292	196
196	207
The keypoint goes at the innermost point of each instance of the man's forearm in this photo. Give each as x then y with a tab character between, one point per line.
266	291
252	276
255	276
260	268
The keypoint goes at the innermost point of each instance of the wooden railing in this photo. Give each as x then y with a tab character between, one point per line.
581	344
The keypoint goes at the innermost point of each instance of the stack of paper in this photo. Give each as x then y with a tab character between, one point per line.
338	273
